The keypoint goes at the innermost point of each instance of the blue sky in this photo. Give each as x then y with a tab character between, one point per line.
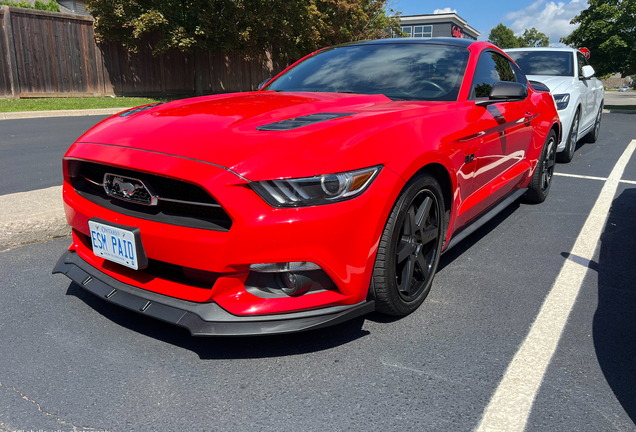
549	17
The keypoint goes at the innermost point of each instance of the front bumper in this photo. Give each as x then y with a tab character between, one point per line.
341	238
201	319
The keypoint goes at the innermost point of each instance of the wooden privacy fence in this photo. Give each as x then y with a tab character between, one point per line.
49	54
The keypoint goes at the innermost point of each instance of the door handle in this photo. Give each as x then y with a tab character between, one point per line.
528	117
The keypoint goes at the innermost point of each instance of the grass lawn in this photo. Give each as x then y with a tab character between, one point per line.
620	107
46	104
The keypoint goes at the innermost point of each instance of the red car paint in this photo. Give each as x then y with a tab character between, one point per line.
213	142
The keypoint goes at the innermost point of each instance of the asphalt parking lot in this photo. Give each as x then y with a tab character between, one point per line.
72	361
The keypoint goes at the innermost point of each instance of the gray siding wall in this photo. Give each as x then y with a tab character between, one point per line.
442	30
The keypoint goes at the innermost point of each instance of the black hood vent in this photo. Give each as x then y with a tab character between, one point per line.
139	109
298	122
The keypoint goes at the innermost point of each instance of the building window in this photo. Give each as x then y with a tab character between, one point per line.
423	31
408	30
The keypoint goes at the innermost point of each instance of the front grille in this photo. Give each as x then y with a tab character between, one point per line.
180	203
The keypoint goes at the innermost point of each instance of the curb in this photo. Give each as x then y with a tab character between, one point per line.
618	111
60	113
35	216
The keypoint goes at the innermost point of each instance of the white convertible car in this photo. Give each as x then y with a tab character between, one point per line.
577	93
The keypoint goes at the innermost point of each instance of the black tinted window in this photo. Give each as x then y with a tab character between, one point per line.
491	68
555	63
519	75
399	71
582	61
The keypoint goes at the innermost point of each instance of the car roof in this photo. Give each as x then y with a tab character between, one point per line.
564	49
465	43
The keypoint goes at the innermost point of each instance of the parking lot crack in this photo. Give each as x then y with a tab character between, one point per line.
417	371
46	413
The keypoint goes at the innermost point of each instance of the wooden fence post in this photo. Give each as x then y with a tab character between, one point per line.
10	48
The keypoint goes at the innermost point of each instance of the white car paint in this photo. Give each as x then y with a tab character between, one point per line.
586	94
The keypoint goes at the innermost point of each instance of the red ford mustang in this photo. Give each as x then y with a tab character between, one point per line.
329	193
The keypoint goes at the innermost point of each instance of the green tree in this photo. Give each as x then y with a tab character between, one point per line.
607	28
503	37
533	38
288	28
50	6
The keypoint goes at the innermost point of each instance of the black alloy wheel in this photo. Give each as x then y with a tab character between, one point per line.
410	248
547	165
542	178
593	135
417	245
570	146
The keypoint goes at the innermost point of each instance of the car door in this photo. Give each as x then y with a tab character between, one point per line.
588	95
505	134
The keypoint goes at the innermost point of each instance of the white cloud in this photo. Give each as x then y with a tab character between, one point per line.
551	18
444	11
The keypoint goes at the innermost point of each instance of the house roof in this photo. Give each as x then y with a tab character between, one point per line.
439	18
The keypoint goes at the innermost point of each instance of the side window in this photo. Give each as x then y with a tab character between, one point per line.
519	76
582	62
491	68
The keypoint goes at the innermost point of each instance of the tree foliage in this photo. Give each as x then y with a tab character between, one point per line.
50	6
505	38
608	29
533	38
288	28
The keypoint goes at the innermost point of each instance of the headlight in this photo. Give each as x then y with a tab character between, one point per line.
318	190
561	100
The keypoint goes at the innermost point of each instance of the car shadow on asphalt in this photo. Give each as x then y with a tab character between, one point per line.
209	348
448	257
265	346
614	325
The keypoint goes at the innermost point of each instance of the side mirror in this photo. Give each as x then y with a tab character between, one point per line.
588	71
505	91
262	84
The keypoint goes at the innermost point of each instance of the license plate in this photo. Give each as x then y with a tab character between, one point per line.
118	244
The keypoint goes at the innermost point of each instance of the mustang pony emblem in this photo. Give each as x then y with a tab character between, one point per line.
128	189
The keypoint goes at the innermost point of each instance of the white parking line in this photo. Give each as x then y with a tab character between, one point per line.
580	176
592	178
511	403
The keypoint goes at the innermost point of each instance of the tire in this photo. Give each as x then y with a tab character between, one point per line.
408	253
592	136
570	146
543	173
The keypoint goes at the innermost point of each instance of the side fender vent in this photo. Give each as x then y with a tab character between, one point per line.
298	122
539	86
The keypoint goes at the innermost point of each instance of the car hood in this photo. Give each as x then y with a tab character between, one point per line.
223	130
556	84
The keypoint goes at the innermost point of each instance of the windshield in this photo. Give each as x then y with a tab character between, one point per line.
428	72
555	63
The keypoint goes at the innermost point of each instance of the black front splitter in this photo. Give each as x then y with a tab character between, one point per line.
201	319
